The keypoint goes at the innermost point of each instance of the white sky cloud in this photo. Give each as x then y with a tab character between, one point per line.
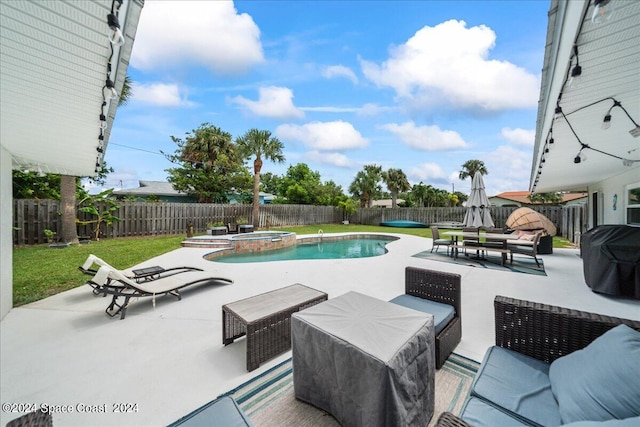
339	71
449	65
209	33
371	109
160	94
326	136
273	101
426	172
427	138
330	158
519	136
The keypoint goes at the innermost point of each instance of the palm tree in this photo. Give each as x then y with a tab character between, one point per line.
206	144
259	144
366	185
396	182
471	167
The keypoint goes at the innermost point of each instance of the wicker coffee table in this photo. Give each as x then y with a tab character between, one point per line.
266	320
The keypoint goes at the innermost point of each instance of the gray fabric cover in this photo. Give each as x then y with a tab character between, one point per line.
611	259
442	313
602	381
367	362
479	413
518	384
222	412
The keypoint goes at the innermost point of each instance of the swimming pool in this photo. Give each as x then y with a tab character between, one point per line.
327	247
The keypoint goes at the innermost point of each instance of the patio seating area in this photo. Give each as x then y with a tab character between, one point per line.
54	351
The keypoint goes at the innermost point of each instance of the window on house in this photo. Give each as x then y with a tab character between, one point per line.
633	205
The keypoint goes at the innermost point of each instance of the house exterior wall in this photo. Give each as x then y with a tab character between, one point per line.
614	186
499	201
6	235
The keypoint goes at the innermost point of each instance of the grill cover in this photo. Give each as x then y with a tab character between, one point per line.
611	260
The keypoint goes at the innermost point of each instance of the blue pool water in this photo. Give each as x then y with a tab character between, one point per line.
327	249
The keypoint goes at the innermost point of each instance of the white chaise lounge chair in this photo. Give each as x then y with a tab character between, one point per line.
111	281
137	274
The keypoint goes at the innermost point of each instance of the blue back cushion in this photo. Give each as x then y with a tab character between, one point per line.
602	381
442	313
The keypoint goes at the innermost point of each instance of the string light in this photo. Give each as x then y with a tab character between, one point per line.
602	11
576	71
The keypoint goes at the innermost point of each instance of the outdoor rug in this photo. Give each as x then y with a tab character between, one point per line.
521	264
268	399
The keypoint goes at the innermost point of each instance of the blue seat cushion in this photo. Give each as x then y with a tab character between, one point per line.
442	313
222	412
517	384
479	413
602	381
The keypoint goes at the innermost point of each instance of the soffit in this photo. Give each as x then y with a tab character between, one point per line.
609	54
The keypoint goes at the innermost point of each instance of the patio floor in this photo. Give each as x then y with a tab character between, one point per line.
170	359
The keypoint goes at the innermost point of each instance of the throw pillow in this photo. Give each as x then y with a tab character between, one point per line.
525	235
602	381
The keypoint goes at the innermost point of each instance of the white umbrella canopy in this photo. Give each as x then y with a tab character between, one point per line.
478	214
528	219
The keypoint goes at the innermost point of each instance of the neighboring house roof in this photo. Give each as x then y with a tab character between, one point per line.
148	188
523	197
163	188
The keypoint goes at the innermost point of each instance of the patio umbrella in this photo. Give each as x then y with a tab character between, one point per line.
528	219
478	214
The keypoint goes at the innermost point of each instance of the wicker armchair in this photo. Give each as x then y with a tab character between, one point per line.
447	419
543	332
444	288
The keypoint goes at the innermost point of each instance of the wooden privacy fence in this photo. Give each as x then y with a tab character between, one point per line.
32	217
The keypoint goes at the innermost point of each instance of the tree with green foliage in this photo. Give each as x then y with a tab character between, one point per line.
35	185
270	183
331	194
366	185
300	185
546	198
259	144
348	208
470	167
396	182
102	206
209	167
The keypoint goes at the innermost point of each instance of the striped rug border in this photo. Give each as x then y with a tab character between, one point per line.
262	390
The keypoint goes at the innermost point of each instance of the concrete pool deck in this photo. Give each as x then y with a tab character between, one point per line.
169	359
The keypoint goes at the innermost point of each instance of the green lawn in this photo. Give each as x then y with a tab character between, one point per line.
39	271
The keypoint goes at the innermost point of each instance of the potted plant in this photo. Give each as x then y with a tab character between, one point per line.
216	228
348	208
53	240
243	225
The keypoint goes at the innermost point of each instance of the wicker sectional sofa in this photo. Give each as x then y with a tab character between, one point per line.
554	366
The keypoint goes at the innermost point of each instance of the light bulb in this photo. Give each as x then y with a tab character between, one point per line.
115	34
602	11
115	37
575	79
606	122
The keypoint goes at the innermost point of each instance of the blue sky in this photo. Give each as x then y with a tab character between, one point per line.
418	85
